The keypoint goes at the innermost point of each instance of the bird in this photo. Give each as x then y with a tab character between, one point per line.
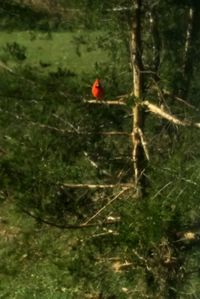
97	90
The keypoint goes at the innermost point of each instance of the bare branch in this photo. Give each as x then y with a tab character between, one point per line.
94	164
163	92
156	39
62	130
104	207
188	40
110	232
114	133
141	258
66	131
158	111
67	226
144	143
135	142
4	66
167	93
119	266
107	102
98	186
159	191
190	43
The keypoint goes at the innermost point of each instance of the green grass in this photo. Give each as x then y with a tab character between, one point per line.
33	260
59	49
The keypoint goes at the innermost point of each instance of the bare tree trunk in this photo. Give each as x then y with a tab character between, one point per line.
156	41
189	52
136	59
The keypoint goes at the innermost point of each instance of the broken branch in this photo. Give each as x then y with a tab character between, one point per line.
156	110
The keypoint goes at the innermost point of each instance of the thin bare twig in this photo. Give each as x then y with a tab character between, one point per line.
165	92
104	207
142	259
99	186
144	144
106	102
108	233
67	131
159	191
94	164
62	130
66	226
4	66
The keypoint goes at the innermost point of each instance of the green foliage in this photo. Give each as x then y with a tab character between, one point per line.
49	136
16	51
15	15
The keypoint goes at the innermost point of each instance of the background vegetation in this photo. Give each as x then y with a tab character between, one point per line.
49	57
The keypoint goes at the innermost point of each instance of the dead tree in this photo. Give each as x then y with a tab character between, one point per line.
137	113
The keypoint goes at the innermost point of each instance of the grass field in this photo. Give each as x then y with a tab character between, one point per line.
71	50
32	260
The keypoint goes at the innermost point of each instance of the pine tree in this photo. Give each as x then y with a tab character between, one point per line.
71	162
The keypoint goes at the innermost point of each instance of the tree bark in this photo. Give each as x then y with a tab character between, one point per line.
136	59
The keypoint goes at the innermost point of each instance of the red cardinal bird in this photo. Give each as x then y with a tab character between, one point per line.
97	90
